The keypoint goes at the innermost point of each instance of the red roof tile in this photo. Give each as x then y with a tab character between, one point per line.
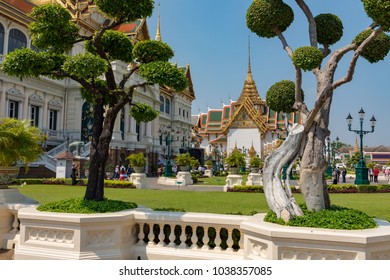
22	5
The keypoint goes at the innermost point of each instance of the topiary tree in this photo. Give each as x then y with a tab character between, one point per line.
269	18
54	34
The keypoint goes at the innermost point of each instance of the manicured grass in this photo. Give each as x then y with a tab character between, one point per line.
217	180
374	204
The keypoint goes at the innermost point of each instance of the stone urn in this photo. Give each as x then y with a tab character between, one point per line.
234	170
138	169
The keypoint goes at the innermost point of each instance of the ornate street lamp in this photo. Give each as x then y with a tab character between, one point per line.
168	134
361	169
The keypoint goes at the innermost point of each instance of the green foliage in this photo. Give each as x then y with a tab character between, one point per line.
194	162
183	159
81	206
126	10
138	160
307	58
342	188
281	96
209	163
163	73
25	62
379	11
235	159
149	51
143	113
329	28
263	17
377	49
100	86
53	29
256	189
336	217
19	142
85	66
115	44
256	162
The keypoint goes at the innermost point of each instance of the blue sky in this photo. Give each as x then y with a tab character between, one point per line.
211	36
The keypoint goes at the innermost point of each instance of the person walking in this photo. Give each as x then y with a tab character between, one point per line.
344	174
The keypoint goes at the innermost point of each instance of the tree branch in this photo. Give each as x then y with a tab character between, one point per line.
351	70
312	24
286	47
127	76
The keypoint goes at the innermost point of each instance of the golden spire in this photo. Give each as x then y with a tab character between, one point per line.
158	34
356	148
249	74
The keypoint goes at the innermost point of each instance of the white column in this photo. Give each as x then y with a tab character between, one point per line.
45	111
3	101
25	104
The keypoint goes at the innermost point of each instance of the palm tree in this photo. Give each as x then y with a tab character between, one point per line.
19	143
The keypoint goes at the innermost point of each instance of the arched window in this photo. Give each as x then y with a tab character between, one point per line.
167	106
1	39
162	105
17	40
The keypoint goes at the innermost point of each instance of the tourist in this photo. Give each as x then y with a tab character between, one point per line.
376	174
371	173
74	174
344	174
116	172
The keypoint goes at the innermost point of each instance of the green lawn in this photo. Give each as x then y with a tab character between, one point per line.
374	204
217	180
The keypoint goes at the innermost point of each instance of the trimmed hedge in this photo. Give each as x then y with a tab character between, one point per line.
80	182
332	188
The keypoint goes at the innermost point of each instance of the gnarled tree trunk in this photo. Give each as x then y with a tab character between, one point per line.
279	196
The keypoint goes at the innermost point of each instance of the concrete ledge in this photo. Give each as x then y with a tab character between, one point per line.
122	235
275	242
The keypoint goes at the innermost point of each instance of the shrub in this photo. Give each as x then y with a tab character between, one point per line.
183	159
336	217
138	160
81	206
342	188
377	49
254	189
307	58
329	28
235	159
256	162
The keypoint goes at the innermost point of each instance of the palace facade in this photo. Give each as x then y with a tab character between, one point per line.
57	108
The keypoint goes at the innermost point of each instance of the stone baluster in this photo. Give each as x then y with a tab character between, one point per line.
172	236
217	240
206	238
150	235
141	234
15	223
183	237
194	237
161	235
229	240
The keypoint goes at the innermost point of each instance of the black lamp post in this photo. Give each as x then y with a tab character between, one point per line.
361	169
168	134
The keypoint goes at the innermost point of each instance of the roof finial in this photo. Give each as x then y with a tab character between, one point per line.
158	33
249	74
